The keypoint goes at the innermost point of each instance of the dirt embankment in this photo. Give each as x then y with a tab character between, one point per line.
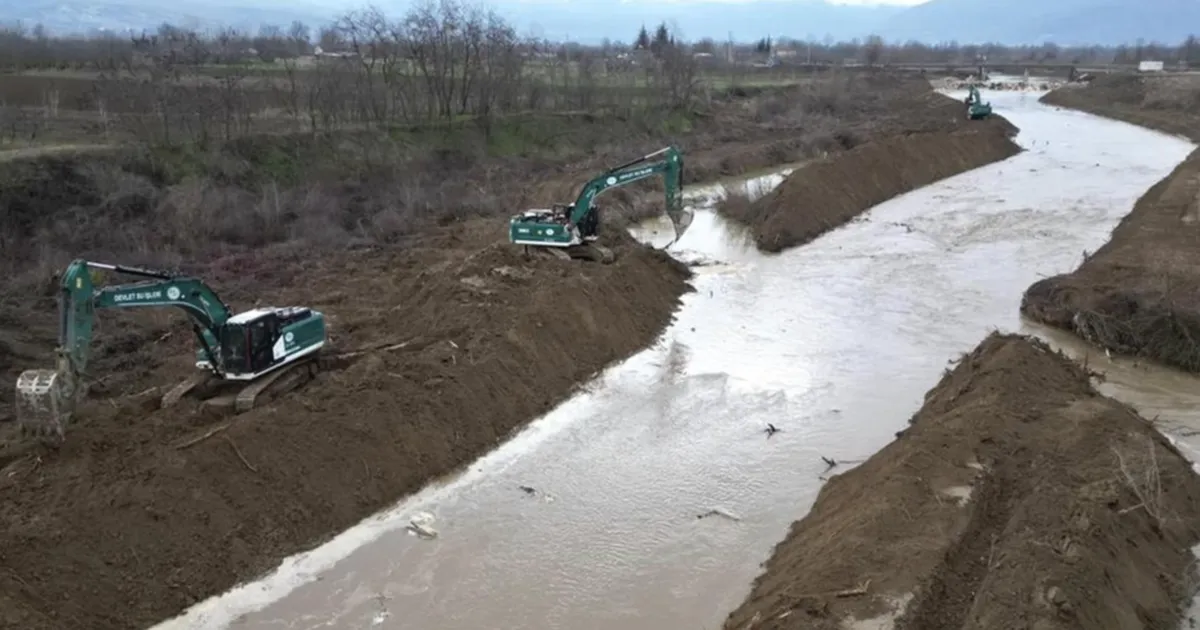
1139	294
1017	497
829	192
1167	103
123	528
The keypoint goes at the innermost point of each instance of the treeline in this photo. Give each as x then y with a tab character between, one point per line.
874	49
442	64
446	62
26	49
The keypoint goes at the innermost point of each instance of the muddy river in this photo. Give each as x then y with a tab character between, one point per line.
835	343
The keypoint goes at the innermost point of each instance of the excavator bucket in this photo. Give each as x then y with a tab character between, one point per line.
41	407
682	220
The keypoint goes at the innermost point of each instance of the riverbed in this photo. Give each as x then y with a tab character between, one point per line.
591	518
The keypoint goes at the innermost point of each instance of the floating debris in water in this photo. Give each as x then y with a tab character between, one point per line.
421	525
531	491
720	512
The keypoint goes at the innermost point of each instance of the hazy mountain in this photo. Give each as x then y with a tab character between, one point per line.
1037	21
592	20
966	21
581	20
76	16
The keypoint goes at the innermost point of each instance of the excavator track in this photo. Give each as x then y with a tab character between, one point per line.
592	252
177	393
280	381
589	251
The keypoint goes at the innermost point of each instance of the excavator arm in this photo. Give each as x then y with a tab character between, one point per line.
670	167
46	398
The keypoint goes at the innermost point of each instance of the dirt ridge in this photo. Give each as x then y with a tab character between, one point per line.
1139	294
828	193
1017	497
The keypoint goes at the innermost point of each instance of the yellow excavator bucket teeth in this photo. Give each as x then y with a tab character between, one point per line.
41	409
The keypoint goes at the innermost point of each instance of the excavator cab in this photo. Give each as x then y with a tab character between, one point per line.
246	346
253	343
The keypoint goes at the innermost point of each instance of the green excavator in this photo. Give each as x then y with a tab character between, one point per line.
254	349
572	230
976	108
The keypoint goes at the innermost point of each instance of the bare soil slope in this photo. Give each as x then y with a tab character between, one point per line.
829	192
1018	497
1139	294
123	528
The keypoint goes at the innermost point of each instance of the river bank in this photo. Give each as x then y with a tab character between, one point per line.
1138	294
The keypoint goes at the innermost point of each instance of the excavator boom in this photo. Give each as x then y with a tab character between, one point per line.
578	224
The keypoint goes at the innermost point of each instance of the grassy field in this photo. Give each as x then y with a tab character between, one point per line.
219	103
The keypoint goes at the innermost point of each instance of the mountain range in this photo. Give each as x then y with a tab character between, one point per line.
1064	22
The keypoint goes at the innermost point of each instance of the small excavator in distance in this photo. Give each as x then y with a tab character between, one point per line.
571	231
253	349
976	108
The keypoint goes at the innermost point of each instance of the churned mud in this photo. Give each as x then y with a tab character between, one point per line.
1017	497
829	192
1139	294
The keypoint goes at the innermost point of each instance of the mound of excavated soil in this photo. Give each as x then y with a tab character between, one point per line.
828	193
1019	497
128	525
